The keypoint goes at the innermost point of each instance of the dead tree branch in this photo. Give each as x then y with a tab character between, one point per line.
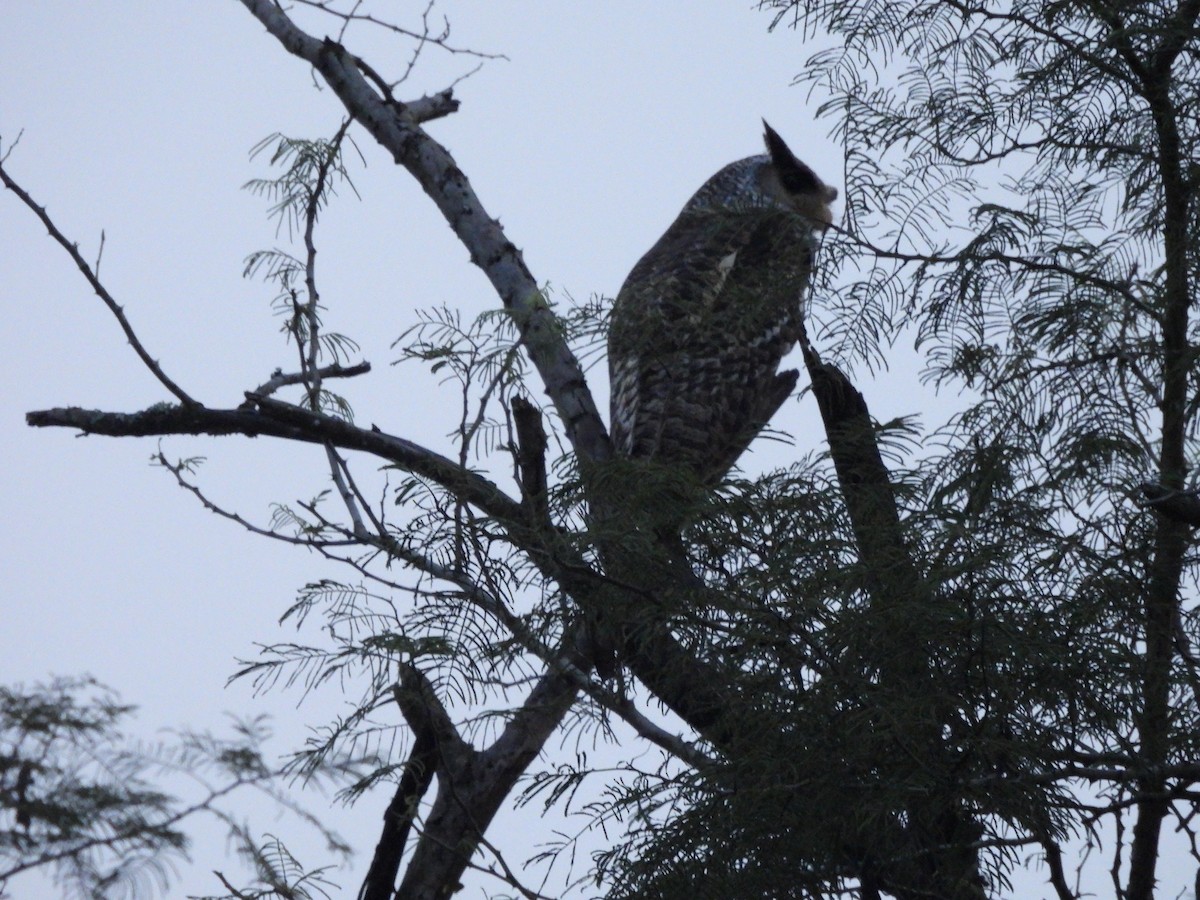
397	130
93	279
471	783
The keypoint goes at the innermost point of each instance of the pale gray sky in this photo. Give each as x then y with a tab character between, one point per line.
138	117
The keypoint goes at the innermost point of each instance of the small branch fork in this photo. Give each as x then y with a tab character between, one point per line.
396	127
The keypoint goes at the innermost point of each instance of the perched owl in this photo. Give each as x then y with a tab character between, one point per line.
704	318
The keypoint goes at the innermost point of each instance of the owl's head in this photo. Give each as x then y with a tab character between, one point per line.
775	179
793	184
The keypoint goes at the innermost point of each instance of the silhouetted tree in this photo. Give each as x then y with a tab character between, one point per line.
901	665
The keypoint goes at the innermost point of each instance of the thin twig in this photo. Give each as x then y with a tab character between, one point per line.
280	379
92	279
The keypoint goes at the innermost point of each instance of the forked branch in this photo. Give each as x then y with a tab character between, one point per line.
397	130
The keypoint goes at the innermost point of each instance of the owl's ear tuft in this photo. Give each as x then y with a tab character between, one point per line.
794	175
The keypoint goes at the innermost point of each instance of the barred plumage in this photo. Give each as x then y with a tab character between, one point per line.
704	318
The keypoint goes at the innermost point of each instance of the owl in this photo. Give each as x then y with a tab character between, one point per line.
701	323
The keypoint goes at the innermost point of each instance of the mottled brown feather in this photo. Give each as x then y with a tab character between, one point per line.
695	345
705	317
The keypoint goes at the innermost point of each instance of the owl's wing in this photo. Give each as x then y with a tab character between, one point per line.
698	330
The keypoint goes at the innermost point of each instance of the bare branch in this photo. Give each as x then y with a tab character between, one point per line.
396	129
380	881
280	379
433	106
275	418
472	784
507	875
177	470
425	36
90	274
531	458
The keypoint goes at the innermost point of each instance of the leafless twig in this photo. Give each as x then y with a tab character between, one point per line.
90	275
